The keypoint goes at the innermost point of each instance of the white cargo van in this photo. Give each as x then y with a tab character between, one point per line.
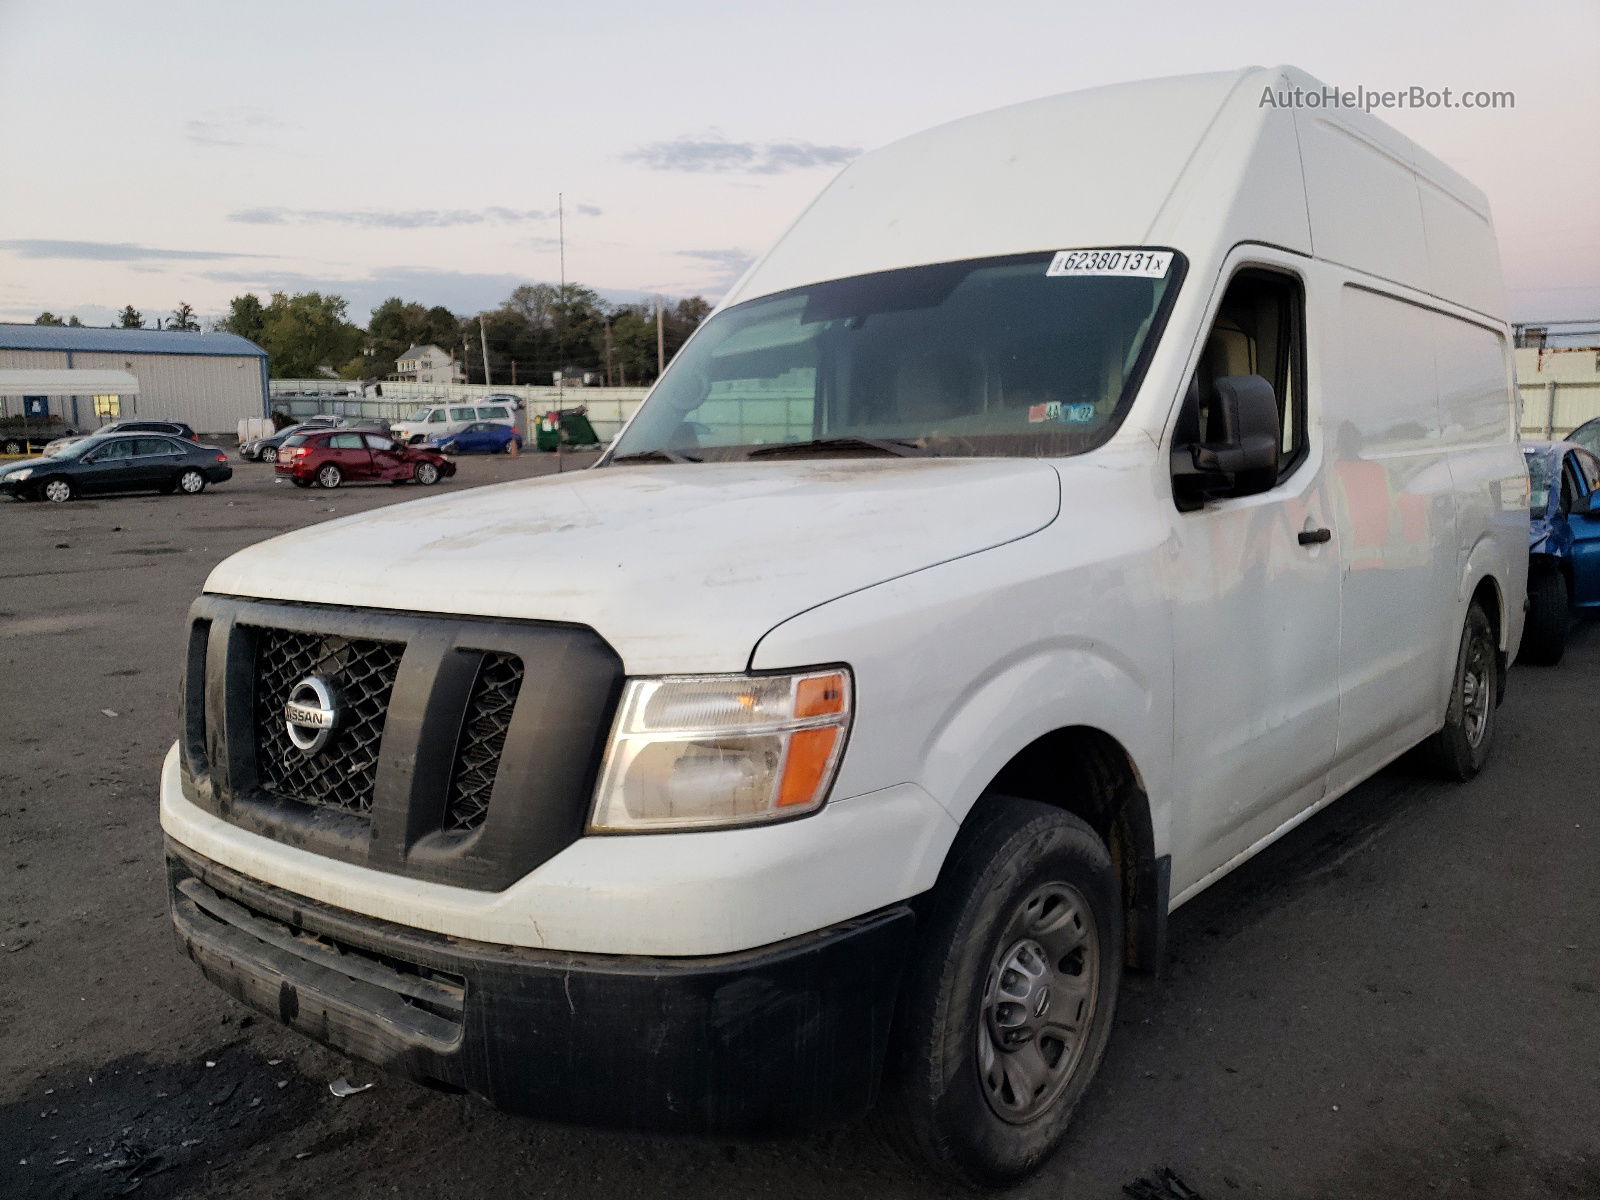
441	420
1078	497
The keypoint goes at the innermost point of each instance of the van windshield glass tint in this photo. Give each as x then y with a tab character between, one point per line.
983	357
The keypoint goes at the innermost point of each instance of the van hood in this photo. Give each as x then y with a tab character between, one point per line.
680	567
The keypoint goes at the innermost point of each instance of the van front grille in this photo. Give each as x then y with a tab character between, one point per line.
483	737
361	672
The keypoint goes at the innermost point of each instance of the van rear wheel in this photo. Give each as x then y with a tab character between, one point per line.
1007	1006
1461	747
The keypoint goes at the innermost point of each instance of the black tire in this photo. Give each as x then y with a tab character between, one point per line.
1544	637
302	483
1461	747
190	481
57	490
13	446
329	475
425	473
959	1045
269	454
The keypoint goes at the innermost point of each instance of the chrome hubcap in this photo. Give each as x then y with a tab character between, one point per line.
1038	1003
191	482
56	491
1476	687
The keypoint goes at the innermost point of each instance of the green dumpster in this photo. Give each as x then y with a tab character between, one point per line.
566	427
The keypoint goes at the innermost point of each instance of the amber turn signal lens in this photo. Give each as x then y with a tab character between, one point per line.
819	696
810	752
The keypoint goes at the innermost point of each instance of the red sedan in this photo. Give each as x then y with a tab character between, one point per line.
329	457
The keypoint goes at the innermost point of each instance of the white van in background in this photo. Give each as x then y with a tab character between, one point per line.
441	420
1075	499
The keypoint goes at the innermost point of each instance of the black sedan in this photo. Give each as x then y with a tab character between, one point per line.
143	463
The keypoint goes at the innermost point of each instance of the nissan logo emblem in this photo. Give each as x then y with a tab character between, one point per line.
311	714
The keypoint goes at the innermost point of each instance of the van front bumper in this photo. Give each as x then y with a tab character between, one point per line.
775	1040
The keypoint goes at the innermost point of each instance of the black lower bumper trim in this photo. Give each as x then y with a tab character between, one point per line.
777	1040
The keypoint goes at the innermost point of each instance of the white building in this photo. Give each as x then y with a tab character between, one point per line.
428	364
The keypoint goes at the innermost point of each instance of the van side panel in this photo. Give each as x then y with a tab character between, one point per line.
1479	407
1395	514
1363	200
1463	262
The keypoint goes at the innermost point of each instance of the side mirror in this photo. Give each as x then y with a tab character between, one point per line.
1587	506
1245	460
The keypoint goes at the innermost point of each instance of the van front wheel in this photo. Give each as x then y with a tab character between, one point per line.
1007	1007
1461	747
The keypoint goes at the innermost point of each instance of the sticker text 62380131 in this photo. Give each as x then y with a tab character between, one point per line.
1144	264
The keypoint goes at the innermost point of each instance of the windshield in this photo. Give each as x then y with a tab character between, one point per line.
1541	476
999	356
421	414
76	450
1587	435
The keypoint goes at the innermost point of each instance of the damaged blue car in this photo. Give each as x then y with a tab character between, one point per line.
1563	545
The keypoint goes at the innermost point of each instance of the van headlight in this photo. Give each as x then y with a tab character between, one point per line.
699	751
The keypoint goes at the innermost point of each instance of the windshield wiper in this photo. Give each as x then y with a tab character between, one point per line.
655	456
892	446
666	456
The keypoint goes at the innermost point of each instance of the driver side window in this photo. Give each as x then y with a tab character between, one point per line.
1259	330
113	450
1570	489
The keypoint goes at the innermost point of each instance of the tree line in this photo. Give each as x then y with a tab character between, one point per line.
539	329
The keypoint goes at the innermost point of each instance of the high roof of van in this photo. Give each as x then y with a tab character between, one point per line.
1198	163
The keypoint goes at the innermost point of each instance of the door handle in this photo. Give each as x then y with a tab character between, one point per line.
1315	537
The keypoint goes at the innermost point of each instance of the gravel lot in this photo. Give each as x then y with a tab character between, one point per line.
1402	998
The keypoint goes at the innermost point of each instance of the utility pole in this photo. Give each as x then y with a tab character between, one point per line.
483	342
561	300
661	342
608	351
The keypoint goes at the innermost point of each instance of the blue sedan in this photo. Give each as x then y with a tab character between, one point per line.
1563	545
482	437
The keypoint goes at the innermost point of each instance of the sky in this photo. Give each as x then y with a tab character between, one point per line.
152	154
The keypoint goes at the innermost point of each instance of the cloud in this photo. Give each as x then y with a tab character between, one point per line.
233	128
717	155
419	218
109	251
729	264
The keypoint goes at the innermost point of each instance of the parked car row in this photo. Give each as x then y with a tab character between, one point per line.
265	449
175	428
442	420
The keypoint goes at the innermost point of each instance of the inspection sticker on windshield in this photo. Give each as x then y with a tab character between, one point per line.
1145	264
1074	414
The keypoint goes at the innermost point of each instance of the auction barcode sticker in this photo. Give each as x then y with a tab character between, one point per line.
1145	264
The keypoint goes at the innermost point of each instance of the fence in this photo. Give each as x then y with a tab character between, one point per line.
608	408
1550	408
1555	408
